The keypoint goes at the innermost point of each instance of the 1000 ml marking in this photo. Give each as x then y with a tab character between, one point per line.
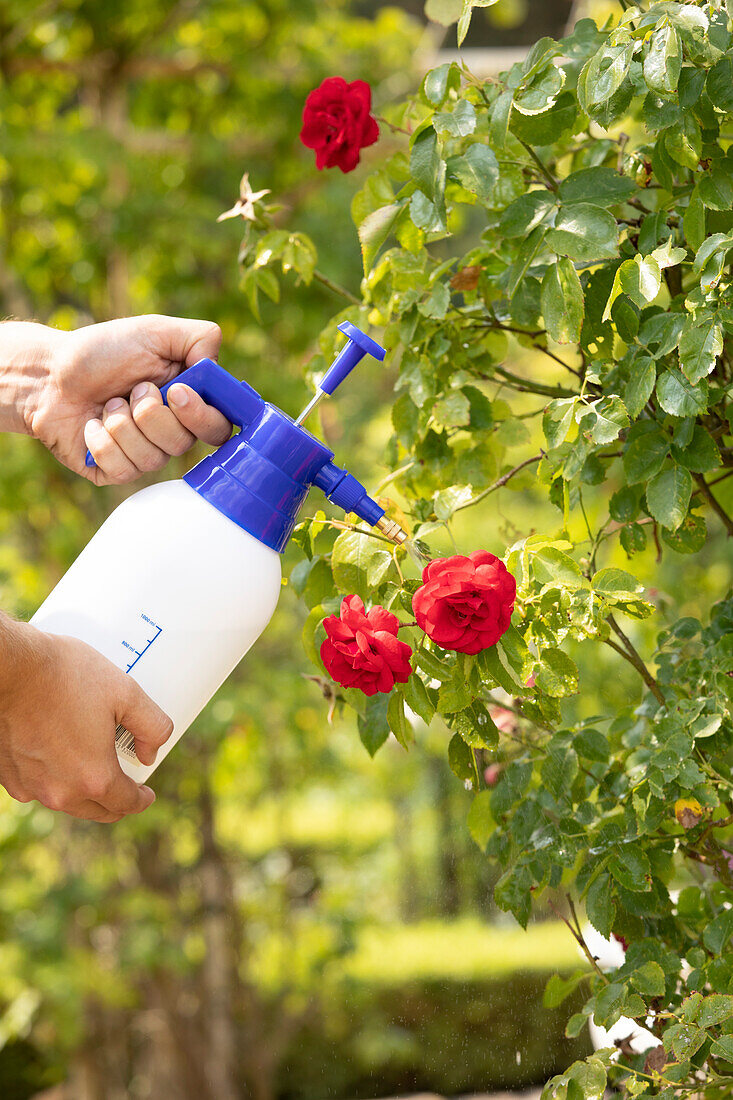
139	649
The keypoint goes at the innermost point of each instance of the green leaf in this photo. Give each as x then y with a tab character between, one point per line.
649	980
683	142
584	232
562	302
604	74
716	187
447	500
556	420
558	988
465	19
723	1048
425	162
599	905
663	61
375	229
557	674
499	121
645	455
718	932
526	212
461	759
417	698
616	584
477	170
439	82
592	745
668	496
714	1010
436	668
397	721
719	84
630	866
460	122
701	453
700	346
351	556
601	186
680	397
373	725
640	386
693	220
609	1004
605	419
480	819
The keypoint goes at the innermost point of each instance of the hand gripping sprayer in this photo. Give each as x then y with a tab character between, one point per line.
183	577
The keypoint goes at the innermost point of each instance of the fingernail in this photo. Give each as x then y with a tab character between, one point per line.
178	395
115	403
140	390
151	792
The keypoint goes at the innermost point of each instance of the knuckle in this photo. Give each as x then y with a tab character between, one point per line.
97	786
213	330
53	798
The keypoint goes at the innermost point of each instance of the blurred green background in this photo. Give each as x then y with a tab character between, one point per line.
291	919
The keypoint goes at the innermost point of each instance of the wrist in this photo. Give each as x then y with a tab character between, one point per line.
27	350
23	649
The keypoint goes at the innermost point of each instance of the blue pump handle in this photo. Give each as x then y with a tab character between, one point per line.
241	404
236	400
353	351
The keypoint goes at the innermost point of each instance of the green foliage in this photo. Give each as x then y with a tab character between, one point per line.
557	244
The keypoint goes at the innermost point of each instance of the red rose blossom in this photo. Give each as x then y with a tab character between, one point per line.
337	122
362	649
465	603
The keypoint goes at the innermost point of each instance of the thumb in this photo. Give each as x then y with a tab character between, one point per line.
150	726
185	341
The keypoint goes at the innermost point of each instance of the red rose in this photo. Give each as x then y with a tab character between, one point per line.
362	649
465	603
337	122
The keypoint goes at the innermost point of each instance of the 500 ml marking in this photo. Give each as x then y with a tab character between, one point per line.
124	740
142	645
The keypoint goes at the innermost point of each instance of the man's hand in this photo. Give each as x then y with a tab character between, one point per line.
60	703
70	390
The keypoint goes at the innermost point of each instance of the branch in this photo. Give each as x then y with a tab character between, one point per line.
336	288
527	385
551	181
714	504
631	655
501	481
580	941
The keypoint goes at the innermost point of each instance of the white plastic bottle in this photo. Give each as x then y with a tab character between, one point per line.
184	576
173	593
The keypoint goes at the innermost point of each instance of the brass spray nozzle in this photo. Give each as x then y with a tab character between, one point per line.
391	529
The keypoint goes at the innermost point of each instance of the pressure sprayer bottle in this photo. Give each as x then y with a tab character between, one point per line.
184	576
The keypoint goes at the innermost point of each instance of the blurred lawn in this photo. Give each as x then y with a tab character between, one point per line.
463	950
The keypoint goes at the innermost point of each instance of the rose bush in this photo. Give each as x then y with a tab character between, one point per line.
549	255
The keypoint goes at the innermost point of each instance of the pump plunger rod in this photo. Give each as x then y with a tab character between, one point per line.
356	347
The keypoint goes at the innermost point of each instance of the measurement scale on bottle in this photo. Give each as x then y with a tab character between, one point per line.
149	634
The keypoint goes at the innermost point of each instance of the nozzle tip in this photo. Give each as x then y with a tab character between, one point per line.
391	530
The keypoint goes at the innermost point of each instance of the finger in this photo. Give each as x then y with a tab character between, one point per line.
117	420
150	726
158	423
121	795
202	420
89	810
111	460
184	340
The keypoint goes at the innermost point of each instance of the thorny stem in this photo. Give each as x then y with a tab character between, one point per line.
714	504
580	941
500	482
394	128
552	182
634	659
336	288
527	385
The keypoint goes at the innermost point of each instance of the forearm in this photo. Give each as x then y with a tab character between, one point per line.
25	352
